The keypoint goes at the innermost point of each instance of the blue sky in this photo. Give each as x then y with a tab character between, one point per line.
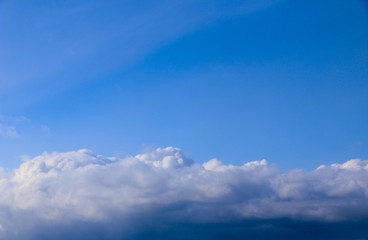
184	119
239	81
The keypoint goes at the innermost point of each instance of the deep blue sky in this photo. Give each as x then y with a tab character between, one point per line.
239	81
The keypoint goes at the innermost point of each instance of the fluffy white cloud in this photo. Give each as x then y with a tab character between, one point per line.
79	186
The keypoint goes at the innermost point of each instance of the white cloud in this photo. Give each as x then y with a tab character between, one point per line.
9	125
8	131
79	186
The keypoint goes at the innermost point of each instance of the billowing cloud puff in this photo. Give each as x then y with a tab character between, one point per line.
79	187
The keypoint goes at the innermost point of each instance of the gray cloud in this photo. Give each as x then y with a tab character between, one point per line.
112	195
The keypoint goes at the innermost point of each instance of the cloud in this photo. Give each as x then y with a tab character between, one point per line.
63	193
8	131
9	125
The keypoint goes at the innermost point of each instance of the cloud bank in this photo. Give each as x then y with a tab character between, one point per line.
63	195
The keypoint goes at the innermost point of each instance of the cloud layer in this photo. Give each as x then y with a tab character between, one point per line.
80	188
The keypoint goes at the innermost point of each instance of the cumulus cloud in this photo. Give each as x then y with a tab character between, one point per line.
84	189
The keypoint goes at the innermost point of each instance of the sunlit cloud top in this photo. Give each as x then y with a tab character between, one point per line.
82	187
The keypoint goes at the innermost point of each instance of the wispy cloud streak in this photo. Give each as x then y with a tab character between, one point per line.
8	131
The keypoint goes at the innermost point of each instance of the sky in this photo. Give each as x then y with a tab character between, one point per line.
258	103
